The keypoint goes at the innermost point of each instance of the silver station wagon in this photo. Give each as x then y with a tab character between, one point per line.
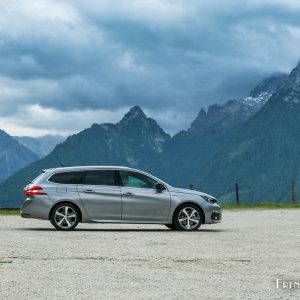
108	194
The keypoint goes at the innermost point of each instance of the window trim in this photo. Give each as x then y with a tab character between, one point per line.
116	181
117	178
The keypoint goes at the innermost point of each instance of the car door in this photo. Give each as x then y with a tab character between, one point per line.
101	195
142	202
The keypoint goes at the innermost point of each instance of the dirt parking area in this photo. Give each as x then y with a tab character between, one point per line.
240	258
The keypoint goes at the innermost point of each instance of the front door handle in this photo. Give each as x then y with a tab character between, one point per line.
89	191
128	194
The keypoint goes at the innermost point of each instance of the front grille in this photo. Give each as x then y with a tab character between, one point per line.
215	216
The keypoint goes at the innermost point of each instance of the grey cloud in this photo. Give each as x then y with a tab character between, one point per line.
166	56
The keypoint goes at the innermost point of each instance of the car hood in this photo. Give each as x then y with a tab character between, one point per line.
191	192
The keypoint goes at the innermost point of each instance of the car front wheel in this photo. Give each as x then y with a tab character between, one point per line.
64	217
188	217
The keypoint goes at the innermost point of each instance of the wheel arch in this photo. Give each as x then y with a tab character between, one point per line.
66	202
193	203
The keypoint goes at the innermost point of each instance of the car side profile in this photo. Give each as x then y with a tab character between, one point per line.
108	194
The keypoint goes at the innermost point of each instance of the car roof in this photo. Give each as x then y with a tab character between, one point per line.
88	168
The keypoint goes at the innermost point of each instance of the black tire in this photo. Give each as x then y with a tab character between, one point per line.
190	215
171	226
58	216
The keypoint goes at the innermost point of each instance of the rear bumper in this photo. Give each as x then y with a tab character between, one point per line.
24	215
37	207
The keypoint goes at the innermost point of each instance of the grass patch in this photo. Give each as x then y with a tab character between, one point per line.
263	205
9	212
5	262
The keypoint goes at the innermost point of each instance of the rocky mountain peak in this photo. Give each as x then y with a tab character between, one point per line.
294	77
268	85
289	90
202	113
135	113
3	134
138	128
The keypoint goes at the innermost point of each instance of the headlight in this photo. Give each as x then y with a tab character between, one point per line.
210	199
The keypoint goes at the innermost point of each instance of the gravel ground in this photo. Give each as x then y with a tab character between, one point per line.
240	258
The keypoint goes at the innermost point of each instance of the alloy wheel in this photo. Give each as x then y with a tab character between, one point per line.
65	217
188	218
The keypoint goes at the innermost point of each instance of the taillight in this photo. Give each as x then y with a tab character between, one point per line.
34	190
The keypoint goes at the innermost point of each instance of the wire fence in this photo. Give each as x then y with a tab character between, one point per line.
238	201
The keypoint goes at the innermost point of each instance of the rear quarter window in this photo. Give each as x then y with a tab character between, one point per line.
38	177
67	177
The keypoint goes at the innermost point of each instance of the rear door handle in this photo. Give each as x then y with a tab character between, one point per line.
89	191
128	194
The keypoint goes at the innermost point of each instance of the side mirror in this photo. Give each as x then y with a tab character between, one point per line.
160	187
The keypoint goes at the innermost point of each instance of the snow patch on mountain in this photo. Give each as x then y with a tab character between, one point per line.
260	100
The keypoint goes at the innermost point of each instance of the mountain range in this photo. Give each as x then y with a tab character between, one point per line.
13	156
18	152
253	141
41	145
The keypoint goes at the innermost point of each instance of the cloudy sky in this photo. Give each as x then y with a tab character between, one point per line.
67	64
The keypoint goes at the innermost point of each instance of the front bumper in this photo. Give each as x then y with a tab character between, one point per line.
213	213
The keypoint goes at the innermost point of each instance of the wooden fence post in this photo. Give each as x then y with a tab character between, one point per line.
293	193
237	193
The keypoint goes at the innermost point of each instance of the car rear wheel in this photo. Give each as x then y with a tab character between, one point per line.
64	217
188	217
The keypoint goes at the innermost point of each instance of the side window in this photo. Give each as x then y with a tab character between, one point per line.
66	177
133	179
100	177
